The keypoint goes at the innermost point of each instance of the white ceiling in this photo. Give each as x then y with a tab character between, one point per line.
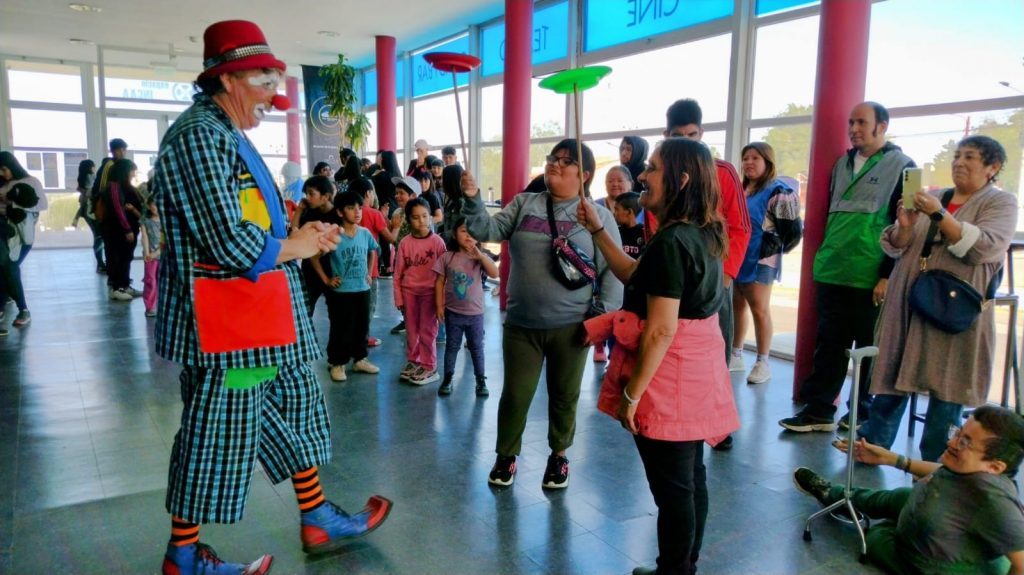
141	32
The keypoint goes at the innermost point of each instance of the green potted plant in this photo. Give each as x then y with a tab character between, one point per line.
340	98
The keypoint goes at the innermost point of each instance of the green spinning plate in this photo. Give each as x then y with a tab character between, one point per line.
575	78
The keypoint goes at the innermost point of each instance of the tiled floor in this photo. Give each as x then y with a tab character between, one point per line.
88	413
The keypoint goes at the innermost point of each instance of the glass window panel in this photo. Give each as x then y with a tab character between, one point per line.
270	138
140	133
371	139
48	129
57	170
610	23
492	122
547	112
641	87
434	119
489	179
920	52
785	66
44	83
792	146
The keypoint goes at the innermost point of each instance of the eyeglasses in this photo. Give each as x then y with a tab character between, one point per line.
562	161
955	432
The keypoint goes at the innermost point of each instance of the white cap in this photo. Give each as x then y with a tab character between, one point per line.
409	182
421	144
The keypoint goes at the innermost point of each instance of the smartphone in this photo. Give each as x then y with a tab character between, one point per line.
911	185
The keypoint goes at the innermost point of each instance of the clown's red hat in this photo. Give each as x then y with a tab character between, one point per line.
234	45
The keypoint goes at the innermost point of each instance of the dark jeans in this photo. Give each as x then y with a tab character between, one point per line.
120	253
887	413
678	480
10	279
349	325
845	315
473	327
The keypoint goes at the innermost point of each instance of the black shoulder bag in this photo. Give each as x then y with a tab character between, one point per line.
941	298
572	267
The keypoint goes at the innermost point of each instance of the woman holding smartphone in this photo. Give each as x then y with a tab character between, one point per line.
974	223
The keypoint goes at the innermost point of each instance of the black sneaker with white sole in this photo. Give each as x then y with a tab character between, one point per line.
504	471
804	422
556	476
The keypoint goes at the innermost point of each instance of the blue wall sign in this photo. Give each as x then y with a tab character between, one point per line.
428	80
550	39
611	22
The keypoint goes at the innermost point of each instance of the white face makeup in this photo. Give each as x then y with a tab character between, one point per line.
267	81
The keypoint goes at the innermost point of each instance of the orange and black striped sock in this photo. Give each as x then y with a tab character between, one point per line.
307	489
183	533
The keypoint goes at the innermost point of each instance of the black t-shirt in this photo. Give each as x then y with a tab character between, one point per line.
328	217
632	240
677	264
432	201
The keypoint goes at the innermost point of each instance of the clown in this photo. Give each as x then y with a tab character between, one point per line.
232	312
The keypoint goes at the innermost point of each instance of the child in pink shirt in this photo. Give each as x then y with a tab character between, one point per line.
414	293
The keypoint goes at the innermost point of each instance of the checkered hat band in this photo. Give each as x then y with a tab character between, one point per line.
236	54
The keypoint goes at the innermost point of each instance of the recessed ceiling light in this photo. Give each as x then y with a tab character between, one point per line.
81	42
328	33
84	8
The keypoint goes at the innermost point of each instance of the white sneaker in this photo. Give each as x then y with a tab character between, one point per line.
736	363
121	294
760	372
365	366
134	292
424	376
338	373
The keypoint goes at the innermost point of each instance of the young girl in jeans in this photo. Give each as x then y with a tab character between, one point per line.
459	298
414	293
152	243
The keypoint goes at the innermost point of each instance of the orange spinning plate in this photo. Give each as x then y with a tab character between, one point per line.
452	61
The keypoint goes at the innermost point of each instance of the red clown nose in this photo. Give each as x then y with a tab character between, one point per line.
281	103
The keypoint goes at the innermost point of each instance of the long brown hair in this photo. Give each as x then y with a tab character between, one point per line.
697	202
766	152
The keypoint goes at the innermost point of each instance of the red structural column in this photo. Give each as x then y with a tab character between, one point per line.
291	89
839	86
515	144
387	99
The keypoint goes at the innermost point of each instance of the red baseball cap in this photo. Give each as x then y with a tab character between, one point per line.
234	45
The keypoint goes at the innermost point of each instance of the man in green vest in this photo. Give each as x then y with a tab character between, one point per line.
850	269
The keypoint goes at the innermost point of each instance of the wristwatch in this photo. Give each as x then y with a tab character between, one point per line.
937	216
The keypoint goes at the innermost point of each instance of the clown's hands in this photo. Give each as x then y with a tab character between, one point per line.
309	240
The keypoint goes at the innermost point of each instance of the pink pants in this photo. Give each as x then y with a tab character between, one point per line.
149	284
421	330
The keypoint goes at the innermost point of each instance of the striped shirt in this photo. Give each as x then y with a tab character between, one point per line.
204	193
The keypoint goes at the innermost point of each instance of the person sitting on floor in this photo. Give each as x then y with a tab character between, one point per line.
963	515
